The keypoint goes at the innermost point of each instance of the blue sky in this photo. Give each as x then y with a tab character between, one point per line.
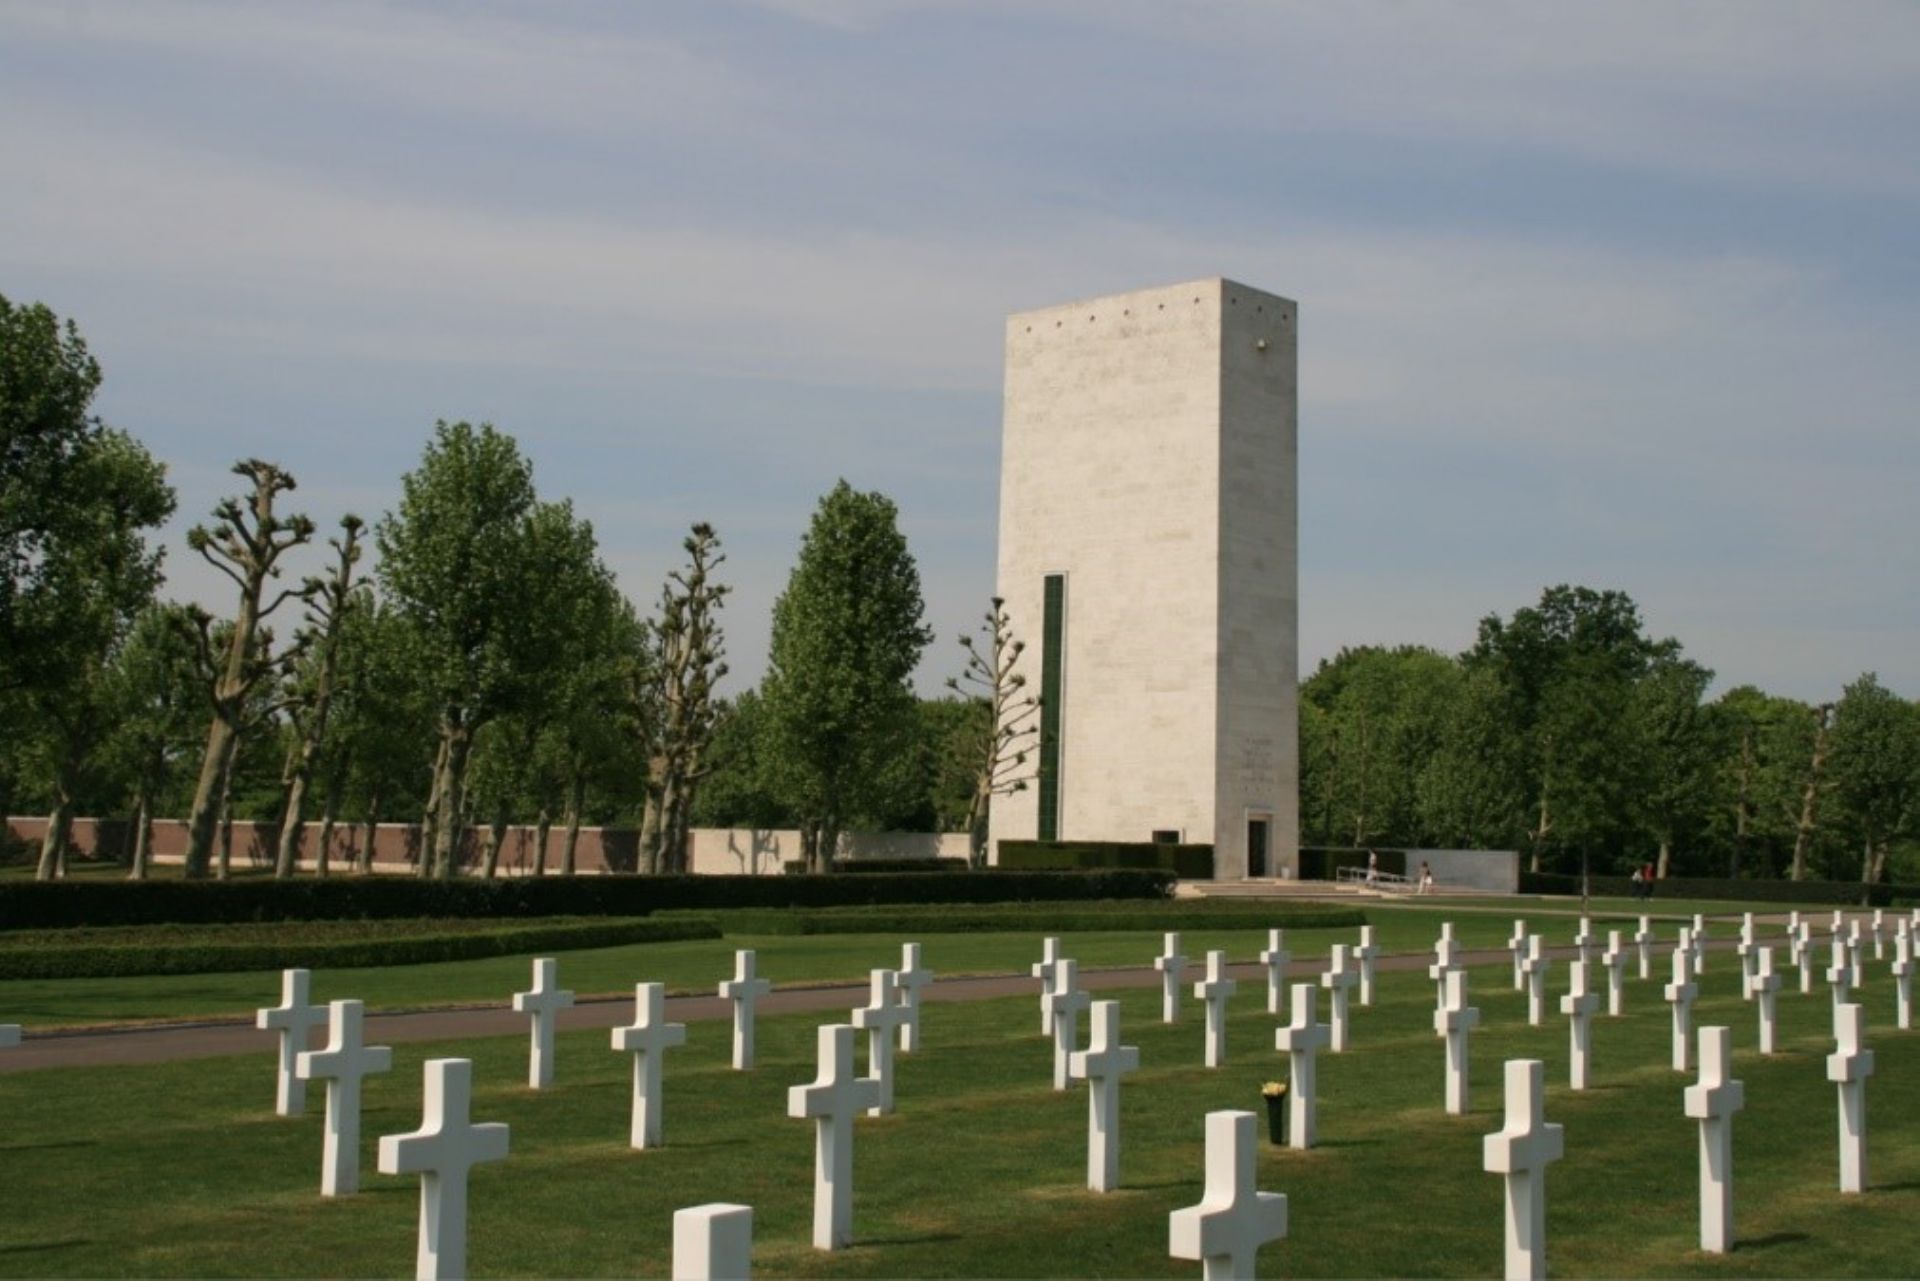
1620	294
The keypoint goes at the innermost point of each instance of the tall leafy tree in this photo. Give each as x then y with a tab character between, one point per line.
157	709
76	501
245	543
1675	744
1876	769
839	705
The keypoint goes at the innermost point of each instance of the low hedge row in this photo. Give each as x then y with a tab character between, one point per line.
1834	893
1071	919
55	904
119	960
1189	861
794	867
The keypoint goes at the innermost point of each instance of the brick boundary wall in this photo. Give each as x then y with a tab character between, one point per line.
396	846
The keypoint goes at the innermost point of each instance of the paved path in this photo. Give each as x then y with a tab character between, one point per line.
149	1044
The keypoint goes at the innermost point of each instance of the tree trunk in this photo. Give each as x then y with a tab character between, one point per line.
142	834
203	820
286	859
1810	795
430	818
650	832
363	862
977	822
576	797
226	828
1666	859
1539	834
53	846
1742	808
542	827
496	834
323	857
447	834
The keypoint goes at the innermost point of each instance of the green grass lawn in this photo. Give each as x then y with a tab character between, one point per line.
696	966
1656	906
181	1169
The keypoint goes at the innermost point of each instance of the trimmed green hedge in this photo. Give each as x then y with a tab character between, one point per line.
1832	893
56	904
868	866
1192	862
115	960
1039	918
1323	863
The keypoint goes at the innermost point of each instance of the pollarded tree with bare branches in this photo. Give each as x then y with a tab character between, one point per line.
328	602
688	665
1007	733
246	544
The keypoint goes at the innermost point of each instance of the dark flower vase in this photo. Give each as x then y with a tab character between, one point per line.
1276	1120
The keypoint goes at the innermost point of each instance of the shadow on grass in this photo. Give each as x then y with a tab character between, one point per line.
1770	1240
44	1147
38	1247
925	1238
1911	1185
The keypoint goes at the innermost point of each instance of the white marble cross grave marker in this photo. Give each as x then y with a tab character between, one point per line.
1879	936
1042	969
1793	931
833	1100
1848	1067
744	989
294	1019
1301	1041
1712	1102
1856	946
1536	970
1583	941
1521	1151
1643	938
1699	945
1766	992
1216	990
1745	951
1838	976
1066	1001
1455	1020
1366	954
1173	970
543	1002
1233	1219
713	1242
1903	978
342	1064
1806	958
1339	980
909	979
1578	1005
1517	944
443	1152
1101	1065
1276	958
880	1018
1615	959
648	1038
1446	954
1680	994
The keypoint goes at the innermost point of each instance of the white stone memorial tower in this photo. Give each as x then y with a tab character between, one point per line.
1148	558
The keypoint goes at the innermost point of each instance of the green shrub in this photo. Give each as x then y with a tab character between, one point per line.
37	904
1040	917
1824	893
203	955
1191	862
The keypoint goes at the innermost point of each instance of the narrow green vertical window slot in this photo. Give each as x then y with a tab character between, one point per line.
1052	658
